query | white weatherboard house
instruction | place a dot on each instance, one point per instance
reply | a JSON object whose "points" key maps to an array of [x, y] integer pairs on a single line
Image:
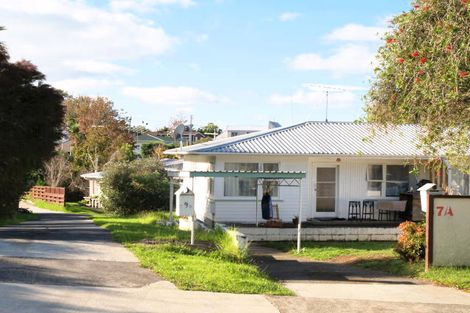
{"points": [[343, 161]]}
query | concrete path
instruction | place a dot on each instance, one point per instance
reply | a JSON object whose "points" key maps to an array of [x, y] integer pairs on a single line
{"points": [[65, 263], [352, 289], [158, 297]]}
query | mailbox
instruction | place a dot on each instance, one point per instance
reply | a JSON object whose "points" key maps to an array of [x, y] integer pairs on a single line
{"points": [[424, 194], [184, 202]]}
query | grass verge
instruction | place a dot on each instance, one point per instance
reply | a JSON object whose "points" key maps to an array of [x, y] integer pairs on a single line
{"points": [[212, 265], [19, 218], [330, 250], [378, 256]]}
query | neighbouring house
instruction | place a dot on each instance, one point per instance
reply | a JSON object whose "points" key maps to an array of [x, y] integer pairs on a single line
{"points": [[142, 139], [343, 162], [195, 135], [234, 130], [94, 188]]}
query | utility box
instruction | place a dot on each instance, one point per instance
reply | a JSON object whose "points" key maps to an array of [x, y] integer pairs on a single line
{"points": [[184, 202]]}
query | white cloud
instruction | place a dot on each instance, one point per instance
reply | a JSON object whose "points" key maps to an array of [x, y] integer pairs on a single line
{"points": [[334, 88], [95, 67], [57, 32], [288, 16], [356, 32], [78, 86], [316, 99], [146, 5], [348, 59], [180, 96]]}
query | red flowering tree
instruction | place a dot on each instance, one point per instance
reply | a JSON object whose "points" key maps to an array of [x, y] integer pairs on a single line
{"points": [[423, 77]]}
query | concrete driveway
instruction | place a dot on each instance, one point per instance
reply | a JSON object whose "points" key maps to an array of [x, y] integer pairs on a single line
{"points": [[332, 287], [67, 249], [65, 263]]}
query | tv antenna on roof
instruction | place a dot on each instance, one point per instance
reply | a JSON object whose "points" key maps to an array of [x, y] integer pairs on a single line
{"points": [[327, 89], [178, 133]]}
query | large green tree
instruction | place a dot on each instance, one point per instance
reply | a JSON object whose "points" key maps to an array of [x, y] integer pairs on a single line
{"points": [[210, 129], [424, 77], [98, 133], [31, 116]]}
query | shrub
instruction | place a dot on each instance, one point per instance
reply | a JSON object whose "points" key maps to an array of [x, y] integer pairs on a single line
{"points": [[132, 187], [228, 246], [411, 244]]}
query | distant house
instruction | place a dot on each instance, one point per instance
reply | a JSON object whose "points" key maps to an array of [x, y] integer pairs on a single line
{"points": [[141, 139], [195, 135], [234, 130], [94, 188], [343, 162]]}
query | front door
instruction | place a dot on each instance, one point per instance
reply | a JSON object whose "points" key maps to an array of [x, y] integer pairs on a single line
{"points": [[325, 190]]}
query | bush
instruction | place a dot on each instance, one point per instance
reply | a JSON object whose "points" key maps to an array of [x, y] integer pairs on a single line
{"points": [[132, 187], [228, 246], [411, 244]]}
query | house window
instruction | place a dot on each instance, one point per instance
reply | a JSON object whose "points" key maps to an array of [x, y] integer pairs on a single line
{"points": [[374, 180], [239, 186], [387, 180], [271, 186], [398, 180]]}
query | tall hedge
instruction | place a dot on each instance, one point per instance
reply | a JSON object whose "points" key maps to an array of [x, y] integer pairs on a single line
{"points": [[31, 116], [132, 187]]}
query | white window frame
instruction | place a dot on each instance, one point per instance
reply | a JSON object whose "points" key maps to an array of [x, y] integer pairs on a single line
{"points": [[260, 188], [384, 180], [261, 165]]}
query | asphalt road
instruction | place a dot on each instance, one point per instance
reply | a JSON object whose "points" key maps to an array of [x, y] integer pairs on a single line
{"points": [[70, 250]]}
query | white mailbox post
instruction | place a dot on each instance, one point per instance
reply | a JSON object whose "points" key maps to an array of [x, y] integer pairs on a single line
{"points": [[424, 195], [185, 206], [184, 202]]}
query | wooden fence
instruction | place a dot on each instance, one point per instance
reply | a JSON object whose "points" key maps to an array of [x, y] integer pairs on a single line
{"points": [[49, 194]]}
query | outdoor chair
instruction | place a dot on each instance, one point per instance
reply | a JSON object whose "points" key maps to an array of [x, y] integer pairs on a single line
{"points": [[385, 215], [368, 207], [354, 210]]}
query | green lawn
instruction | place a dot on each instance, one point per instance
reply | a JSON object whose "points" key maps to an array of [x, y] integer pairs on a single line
{"points": [[19, 218], [217, 266], [378, 256], [329, 250]]}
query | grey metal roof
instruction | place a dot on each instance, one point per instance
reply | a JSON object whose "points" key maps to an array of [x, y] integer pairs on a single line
{"points": [[318, 138]]}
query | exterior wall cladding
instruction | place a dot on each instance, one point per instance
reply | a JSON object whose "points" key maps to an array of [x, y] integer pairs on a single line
{"points": [[351, 185]]}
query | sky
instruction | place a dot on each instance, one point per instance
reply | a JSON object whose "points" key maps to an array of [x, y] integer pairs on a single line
{"points": [[232, 62]]}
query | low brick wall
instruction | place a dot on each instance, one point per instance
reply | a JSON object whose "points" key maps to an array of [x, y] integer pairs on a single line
{"points": [[321, 234], [49, 194]]}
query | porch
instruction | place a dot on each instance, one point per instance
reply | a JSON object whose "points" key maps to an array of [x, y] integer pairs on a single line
{"points": [[321, 230]]}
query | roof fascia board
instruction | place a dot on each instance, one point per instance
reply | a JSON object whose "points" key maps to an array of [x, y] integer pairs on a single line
{"points": [[358, 156], [259, 175]]}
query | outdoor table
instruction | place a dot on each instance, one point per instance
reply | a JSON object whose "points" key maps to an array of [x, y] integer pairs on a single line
{"points": [[387, 207]]}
